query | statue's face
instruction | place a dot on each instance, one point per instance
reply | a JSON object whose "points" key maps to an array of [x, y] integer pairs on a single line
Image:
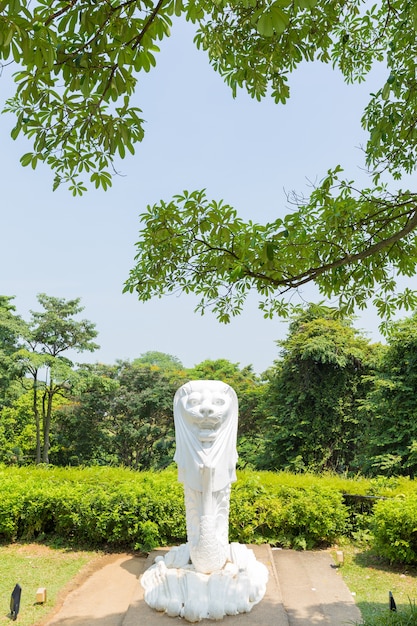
{"points": [[205, 410]]}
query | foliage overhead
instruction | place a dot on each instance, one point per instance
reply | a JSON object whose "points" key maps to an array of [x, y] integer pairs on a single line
{"points": [[78, 64], [350, 246]]}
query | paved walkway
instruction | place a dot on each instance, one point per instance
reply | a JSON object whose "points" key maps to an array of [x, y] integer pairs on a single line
{"points": [[304, 589]]}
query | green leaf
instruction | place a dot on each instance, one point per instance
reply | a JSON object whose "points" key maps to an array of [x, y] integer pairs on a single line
{"points": [[270, 251], [386, 91], [237, 273], [306, 4], [280, 20], [265, 26], [9, 36], [85, 86], [15, 131], [26, 159]]}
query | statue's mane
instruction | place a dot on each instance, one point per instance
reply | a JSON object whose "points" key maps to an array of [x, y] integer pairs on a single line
{"points": [[190, 455]]}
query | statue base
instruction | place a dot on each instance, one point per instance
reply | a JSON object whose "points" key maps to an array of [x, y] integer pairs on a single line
{"points": [[173, 586]]}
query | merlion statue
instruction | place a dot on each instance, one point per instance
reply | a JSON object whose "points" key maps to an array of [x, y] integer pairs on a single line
{"points": [[207, 577], [205, 414]]}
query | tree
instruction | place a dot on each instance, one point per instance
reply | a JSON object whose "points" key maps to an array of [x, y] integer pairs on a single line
{"points": [[79, 64], [243, 380], [84, 433], [159, 359], [120, 414], [32, 364], [52, 332], [390, 445], [314, 392], [142, 416], [17, 431], [11, 328]]}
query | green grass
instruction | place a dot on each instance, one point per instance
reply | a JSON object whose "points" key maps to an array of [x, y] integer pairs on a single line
{"points": [[34, 566], [406, 617], [371, 579]]}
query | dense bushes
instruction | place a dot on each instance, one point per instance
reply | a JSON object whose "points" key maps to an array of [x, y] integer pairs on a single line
{"points": [[395, 529], [122, 508], [97, 506], [281, 514]]}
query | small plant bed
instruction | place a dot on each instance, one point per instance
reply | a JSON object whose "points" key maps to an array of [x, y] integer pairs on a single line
{"points": [[34, 565], [371, 578]]}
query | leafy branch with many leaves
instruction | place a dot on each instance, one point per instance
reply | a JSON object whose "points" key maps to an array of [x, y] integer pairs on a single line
{"points": [[345, 243], [78, 66]]}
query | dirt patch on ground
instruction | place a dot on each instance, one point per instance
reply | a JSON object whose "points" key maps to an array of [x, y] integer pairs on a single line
{"points": [[31, 549], [40, 550]]}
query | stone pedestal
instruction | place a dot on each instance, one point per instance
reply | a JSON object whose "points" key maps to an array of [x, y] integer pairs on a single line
{"points": [[173, 586]]}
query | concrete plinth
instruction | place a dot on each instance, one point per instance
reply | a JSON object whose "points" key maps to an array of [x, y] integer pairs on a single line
{"points": [[269, 611]]}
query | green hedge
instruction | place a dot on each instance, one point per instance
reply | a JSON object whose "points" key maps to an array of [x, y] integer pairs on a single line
{"points": [[395, 529], [97, 506], [285, 515], [121, 508]]}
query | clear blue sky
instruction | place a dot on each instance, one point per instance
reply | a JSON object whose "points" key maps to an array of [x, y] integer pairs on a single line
{"points": [[197, 136]]}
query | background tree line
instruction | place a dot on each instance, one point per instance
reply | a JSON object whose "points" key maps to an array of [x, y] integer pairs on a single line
{"points": [[331, 401]]}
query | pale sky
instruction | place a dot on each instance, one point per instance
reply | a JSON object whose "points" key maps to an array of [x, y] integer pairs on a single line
{"points": [[197, 136]]}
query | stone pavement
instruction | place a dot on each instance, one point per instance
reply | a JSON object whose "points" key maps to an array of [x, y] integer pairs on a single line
{"points": [[304, 589]]}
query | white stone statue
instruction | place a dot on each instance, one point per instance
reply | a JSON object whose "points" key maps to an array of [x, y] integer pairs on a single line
{"points": [[207, 577], [205, 414]]}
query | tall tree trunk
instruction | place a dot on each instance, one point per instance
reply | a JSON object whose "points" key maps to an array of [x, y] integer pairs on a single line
{"points": [[37, 420], [47, 413]]}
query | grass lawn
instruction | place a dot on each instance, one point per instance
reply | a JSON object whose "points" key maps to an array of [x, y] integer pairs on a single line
{"points": [[371, 579], [33, 566]]}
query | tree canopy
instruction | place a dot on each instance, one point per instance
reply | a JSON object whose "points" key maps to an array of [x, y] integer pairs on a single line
{"points": [[49, 334], [11, 326], [314, 392], [390, 442], [78, 65]]}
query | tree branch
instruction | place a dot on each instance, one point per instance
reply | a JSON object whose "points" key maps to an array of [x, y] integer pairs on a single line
{"points": [[348, 259], [137, 40], [64, 9]]}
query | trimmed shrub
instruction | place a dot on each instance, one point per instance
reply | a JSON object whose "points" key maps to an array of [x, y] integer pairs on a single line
{"points": [[285, 516], [394, 527], [94, 506], [141, 510], [121, 508]]}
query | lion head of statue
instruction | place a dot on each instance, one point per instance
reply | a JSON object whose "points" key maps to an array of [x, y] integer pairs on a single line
{"points": [[205, 414]]}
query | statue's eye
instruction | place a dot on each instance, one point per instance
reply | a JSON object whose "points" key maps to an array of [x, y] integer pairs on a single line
{"points": [[218, 401], [193, 401]]}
